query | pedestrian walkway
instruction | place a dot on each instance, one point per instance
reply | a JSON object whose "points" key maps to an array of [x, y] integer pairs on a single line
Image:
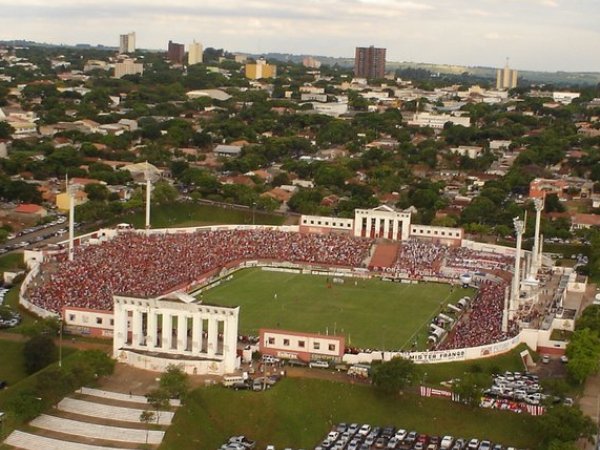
{"points": [[96, 431], [28, 441], [119, 396], [102, 411]]}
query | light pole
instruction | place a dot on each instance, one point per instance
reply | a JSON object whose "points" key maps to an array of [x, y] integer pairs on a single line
{"points": [[60, 340], [253, 212]]}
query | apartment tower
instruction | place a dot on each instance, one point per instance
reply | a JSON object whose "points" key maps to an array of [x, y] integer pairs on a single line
{"points": [[369, 62], [127, 43]]}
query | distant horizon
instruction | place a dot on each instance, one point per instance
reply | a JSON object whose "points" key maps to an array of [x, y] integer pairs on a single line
{"points": [[143, 49], [539, 35]]}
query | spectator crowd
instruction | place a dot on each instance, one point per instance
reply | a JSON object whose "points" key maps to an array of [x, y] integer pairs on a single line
{"points": [[150, 265]]}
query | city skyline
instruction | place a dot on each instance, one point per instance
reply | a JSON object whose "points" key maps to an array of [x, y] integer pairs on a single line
{"points": [[461, 32]]}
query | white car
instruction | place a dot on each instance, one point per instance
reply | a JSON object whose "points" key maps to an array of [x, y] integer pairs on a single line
{"points": [[364, 430], [401, 434], [473, 444], [318, 364], [447, 442]]}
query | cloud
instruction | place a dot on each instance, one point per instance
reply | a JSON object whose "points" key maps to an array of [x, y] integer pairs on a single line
{"points": [[457, 31]]}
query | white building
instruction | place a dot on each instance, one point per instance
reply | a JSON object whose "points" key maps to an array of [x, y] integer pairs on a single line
{"points": [[152, 333], [127, 43], [471, 151], [331, 109], [128, 67], [565, 97], [195, 53], [437, 121], [383, 222]]}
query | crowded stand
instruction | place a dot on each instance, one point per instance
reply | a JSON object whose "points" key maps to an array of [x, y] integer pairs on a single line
{"points": [[467, 259], [417, 259], [149, 265], [482, 323]]}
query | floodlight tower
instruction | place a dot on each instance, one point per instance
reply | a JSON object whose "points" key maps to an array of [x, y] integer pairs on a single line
{"points": [[516, 284], [148, 195], [71, 191], [535, 253]]}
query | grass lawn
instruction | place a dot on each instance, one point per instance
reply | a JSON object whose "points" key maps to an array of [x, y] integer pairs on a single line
{"points": [[12, 363], [192, 214], [510, 361], [10, 262], [298, 413], [373, 314]]}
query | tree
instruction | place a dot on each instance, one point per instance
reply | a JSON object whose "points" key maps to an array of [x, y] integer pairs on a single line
{"points": [[469, 389], [552, 204], [159, 399], [174, 382], [96, 192], [565, 424], [6, 130], [38, 352], [163, 193], [146, 417], [584, 354], [394, 375]]}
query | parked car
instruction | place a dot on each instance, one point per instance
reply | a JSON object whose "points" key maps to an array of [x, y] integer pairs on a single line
{"points": [[318, 364], [473, 444]]}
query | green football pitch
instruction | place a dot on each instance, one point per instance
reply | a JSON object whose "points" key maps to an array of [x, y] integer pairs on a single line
{"points": [[369, 313]]}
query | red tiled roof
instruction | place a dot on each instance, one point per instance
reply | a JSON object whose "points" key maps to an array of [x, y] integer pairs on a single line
{"points": [[28, 208]]}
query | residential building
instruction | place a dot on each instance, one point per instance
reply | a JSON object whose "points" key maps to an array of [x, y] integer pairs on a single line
{"points": [[127, 43], [260, 69], [506, 78], [470, 151], [311, 62], [175, 52], [228, 151], [128, 67], [369, 62], [194, 53], [581, 221]]}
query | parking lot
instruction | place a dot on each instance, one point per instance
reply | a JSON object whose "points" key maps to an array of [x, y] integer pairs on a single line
{"points": [[366, 437]]}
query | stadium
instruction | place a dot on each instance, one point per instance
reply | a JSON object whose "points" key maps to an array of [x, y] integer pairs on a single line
{"points": [[367, 288]]}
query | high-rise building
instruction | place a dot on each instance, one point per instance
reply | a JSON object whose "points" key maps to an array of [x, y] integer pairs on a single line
{"points": [[369, 62], [506, 78], [175, 52], [194, 53], [127, 43], [128, 67], [260, 69], [311, 63]]}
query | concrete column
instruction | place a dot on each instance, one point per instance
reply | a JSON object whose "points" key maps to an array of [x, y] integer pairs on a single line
{"points": [[197, 333], [166, 331], [136, 328], [368, 234], [386, 228], [535, 261], [120, 328], [213, 336], [181, 332], [151, 330], [516, 284], [230, 342]]}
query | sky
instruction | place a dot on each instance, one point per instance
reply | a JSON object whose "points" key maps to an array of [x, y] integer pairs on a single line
{"points": [[546, 35]]}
